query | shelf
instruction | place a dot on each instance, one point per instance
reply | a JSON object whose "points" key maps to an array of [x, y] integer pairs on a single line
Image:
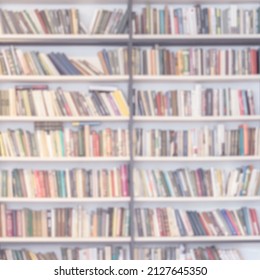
{"points": [[64, 240], [196, 119], [137, 79], [190, 2], [198, 239], [63, 39], [198, 159], [197, 199], [196, 40], [63, 119], [64, 159], [126, 119], [64, 2], [123, 39], [65, 200], [137, 159], [197, 79], [64, 79]]}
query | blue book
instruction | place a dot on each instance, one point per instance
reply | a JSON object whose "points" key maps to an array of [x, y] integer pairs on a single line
{"points": [[161, 15], [180, 223], [61, 69], [244, 100], [179, 183], [37, 63], [180, 20], [198, 224], [168, 183], [228, 222], [193, 223], [241, 141], [72, 68], [61, 61], [106, 58], [63, 184], [246, 216]]}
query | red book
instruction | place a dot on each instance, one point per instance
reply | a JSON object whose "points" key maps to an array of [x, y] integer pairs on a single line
{"points": [[158, 103], [210, 255], [159, 219], [246, 142], [38, 185], [41, 21], [253, 61], [241, 104], [9, 223], [255, 225], [204, 225], [233, 222]]}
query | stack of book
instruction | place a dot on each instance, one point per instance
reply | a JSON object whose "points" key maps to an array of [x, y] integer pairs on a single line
{"points": [[219, 141], [80, 183], [183, 182], [41, 101], [197, 102], [179, 253], [64, 142], [193, 20], [23, 254], [64, 222], [61, 21], [109, 22], [175, 222], [105, 253]]}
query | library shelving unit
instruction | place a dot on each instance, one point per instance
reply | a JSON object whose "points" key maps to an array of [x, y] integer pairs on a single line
{"points": [[130, 40]]}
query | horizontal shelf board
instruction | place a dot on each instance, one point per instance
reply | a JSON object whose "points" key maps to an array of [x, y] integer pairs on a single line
{"points": [[200, 39], [197, 159], [125, 78], [198, 239], [63, 119], [198, 199], [137, 159], [191, 79], [63, 2], [63, 240], [65, 79], [196, 119], [64, 159], [191, 2], [63, 39], [65, 200], [126, 119]]}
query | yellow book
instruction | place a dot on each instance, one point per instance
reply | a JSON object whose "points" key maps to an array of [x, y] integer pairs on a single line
{"points": [[120, 100], [2, 147], [25, 97]]}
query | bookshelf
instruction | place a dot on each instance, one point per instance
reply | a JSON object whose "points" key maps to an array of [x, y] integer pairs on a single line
{"points": [[131, 40]]}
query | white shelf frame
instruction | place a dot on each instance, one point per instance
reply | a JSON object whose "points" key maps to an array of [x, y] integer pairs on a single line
{"points": [[64, 240], [202, 239], [64, 159], [64, 200], [139, 119]]}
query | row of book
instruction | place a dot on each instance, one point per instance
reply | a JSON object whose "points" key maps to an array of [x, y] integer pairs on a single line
{"points": [[120, 253], [180, 253], [197, 102], [64, 183], [184, 182], [154, 61], [83, 141], [80, 183], [109, 22], [41, 101], [192, 20], [14, 61], [64, 222], [176, 222], [190, 61], [218, 141], [47, 21], [184, 20]]}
